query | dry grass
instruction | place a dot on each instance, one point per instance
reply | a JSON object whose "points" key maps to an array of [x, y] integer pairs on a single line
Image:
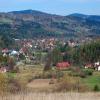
{"points": [[53, 96], [27, 72], [40, 85]]}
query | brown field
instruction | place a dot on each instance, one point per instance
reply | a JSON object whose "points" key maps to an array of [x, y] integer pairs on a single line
{"points": [[39, 85], [53, 96]]}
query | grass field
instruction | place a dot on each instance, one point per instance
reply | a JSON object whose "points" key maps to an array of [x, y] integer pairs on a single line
{"points": [[92, 80], [28, 72], [37, 86]]}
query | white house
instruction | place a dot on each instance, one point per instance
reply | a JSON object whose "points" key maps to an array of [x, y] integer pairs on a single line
{"points": [[14, 53], [97, 66]]}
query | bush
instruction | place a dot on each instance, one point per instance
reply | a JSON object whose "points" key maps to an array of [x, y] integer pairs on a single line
{"points": [[96, 88], [3, 83], [76, 74], [82, 75], [15, 70], [69, 83], [45, 75], [74, 71], [10, 85], [59, 74], [14, 86], [88, 72], [81, 72]]}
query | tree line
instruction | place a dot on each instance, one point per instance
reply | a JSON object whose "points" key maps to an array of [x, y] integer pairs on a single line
{"points": [[79, 55]]}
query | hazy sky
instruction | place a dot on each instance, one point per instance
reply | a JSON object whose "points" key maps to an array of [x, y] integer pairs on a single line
{"points": [[61, 7]]}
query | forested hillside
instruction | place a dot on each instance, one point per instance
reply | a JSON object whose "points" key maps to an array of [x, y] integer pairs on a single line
{"points": [[30, 23]]}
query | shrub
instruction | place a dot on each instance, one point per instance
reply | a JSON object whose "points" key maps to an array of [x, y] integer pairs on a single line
{"points": [[69, 83], [82, 75], [22, 57], [80, 72], [76, 74], [88, 71], [3, 83], [96, 88], [45, 75], [59, 74], [15, 70], [14, 86]]}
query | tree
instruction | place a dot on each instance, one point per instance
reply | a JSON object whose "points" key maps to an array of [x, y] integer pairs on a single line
{"points": [[56, 56], [11, 63], [87, 53], [48, 62]]}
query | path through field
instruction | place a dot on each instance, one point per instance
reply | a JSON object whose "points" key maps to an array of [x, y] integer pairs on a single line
{"points": [[41, 85]]}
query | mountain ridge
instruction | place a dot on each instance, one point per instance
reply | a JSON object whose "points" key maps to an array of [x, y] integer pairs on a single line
{"points": [[32, 23]]}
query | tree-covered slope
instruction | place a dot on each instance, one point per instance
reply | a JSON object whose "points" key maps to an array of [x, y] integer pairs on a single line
{"points": [[30, 23]]}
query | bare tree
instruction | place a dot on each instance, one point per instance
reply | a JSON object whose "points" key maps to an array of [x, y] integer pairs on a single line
{"points": [[48, 62]]}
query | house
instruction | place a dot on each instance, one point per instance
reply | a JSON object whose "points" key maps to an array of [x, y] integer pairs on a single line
{"points": [[14, 53], [5, 50], [88, 66], [63, 65], [72, 43], [97, 66], [4, 55], [23, 50], [3, 70]]}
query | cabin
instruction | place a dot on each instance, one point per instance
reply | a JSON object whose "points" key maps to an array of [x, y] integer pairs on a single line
{"points": [[63, 65]]}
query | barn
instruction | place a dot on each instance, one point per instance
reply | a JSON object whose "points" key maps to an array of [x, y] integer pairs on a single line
{"points": [[63, 65]]}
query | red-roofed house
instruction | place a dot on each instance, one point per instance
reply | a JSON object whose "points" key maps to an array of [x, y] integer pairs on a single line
{"points": [[5, 50], [63, 65]]}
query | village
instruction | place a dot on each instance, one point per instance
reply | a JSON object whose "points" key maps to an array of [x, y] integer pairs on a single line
{"points": [[49, 49], [51, 62], [34, 51]]}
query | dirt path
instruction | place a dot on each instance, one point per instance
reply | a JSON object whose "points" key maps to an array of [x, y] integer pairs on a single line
{"points": [[41, 84]]}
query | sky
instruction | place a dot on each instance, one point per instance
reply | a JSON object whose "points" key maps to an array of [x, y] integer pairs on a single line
{"points": [[59, 7]]}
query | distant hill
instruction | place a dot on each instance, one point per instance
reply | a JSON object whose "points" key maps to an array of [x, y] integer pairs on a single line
{"points": [[78, 15], [31, 23]]}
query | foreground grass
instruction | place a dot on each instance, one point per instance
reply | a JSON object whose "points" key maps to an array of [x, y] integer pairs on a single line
{"points": [[92, 80], [53, 96]]}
